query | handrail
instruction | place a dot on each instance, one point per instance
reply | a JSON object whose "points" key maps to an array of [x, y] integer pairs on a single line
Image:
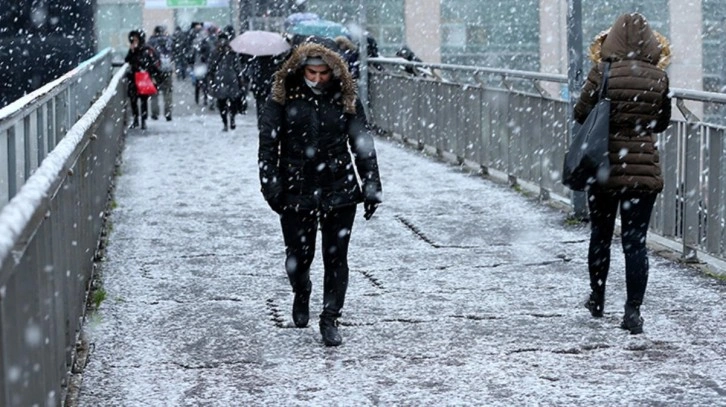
{"points": [[678, 93]]}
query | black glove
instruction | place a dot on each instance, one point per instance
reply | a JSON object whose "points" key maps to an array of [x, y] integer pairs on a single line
{"points": [[370, 209]]}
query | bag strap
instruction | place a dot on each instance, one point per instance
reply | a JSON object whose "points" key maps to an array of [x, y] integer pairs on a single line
{"points": [[604, 84]]}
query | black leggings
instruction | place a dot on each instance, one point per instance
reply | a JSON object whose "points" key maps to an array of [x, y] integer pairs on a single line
{"points": [[134, 102], [299, 229], [635, 210]]}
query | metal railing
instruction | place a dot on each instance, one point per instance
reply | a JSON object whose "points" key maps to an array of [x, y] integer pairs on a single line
{"points": [[515, 125], [33, 125], [51, 227]]}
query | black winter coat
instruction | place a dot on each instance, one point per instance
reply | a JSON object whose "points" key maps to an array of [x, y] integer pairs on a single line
{"points": [[143, 58], [306, 141], [226, 74]]}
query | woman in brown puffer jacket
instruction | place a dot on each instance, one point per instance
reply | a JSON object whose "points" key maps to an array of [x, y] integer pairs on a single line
{"points": [[640, 107]]}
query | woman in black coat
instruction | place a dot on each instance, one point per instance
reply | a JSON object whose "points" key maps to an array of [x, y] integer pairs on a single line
{"points": [[310, 125], [140, 57], [226, 81]]}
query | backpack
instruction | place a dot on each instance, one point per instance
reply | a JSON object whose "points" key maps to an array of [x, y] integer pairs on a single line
{"points": [[162, 46], [166, 63]]}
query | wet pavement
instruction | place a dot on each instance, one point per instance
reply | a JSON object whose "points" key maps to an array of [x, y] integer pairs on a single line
{"points": [[462, 292]]}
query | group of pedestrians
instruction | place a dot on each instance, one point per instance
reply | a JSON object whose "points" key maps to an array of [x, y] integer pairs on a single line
{"points": [[155, 57], [204, 55], [317, 159]]}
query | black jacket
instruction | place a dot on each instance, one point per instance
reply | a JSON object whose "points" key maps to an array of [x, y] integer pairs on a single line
{"points": [[143, 58], [306, 140]]}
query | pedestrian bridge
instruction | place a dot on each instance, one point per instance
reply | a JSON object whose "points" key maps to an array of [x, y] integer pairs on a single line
{"points": [[143, 268]]}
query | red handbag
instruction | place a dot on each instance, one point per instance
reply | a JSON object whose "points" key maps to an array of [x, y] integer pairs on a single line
{"points": [[144, 85]]}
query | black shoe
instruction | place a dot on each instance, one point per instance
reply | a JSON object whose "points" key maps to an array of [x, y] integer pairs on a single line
{"points": [[168, 117], [154, 117], [329, 331], [143, 125], [232, 125], [135, 124], [632, 321], [596, 304], [301, 307]]}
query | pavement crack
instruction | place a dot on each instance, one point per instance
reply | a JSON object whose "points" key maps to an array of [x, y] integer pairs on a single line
{"points": [[406, 320], [369, 275], [475, 317], [416, 231], [212, 365]]}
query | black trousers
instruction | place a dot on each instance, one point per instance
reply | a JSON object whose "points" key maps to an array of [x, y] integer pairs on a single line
{"points": [[635, 210], [299, 230], [231, 107], [144, 101]]}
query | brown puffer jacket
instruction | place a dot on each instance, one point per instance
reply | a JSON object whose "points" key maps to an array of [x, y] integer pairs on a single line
{"points": [[640, 105]]}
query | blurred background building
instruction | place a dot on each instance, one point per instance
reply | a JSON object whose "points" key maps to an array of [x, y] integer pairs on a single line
{"points": [[41, 40], [526, 35]]}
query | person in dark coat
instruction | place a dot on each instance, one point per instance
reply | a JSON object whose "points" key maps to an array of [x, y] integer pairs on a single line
{"points": [[311, 124], [638, 88], [140, 57], [226, 81], [179, 41], [350, 54], [164, 46], [259, 71]]}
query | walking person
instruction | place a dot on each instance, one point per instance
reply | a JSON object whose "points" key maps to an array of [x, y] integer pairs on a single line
{"points": [[140, 57], [226, 81], [179, 41], [164, 47], [259, 71], [310, 126], [638, 88]]}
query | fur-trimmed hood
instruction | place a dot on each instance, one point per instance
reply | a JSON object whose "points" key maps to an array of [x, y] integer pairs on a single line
{"points": [[293, 67], [631, 37]]}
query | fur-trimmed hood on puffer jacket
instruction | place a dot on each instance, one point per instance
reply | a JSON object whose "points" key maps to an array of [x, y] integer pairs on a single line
{"points": [[629, 33], [638, 89], [294, 67]]}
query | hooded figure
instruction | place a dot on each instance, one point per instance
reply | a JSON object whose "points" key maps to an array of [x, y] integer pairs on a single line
{"points": [[638, 88], [317, 161]]}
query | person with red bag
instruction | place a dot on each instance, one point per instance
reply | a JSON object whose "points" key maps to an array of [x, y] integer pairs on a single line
{"points": [[144, 66]]}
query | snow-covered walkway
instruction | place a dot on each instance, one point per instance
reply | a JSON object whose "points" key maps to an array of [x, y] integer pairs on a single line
{"points": [[462, 292]]}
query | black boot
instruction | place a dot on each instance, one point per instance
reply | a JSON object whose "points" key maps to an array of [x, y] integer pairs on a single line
{"points": [[301, 306], [596, 304], [232, 124], [329, 331], [632, 320], [135, 123]]}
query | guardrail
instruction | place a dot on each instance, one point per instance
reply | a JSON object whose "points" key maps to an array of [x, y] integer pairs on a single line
{"points": [[515, 125], [33, 125], [51, 227]]}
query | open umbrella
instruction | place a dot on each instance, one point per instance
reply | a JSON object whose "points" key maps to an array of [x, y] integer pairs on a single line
{"points": [[322, 28], [295, 18], [259, 43]]}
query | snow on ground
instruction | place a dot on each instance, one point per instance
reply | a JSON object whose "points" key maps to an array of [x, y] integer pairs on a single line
{"points": [[462, 292]]}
